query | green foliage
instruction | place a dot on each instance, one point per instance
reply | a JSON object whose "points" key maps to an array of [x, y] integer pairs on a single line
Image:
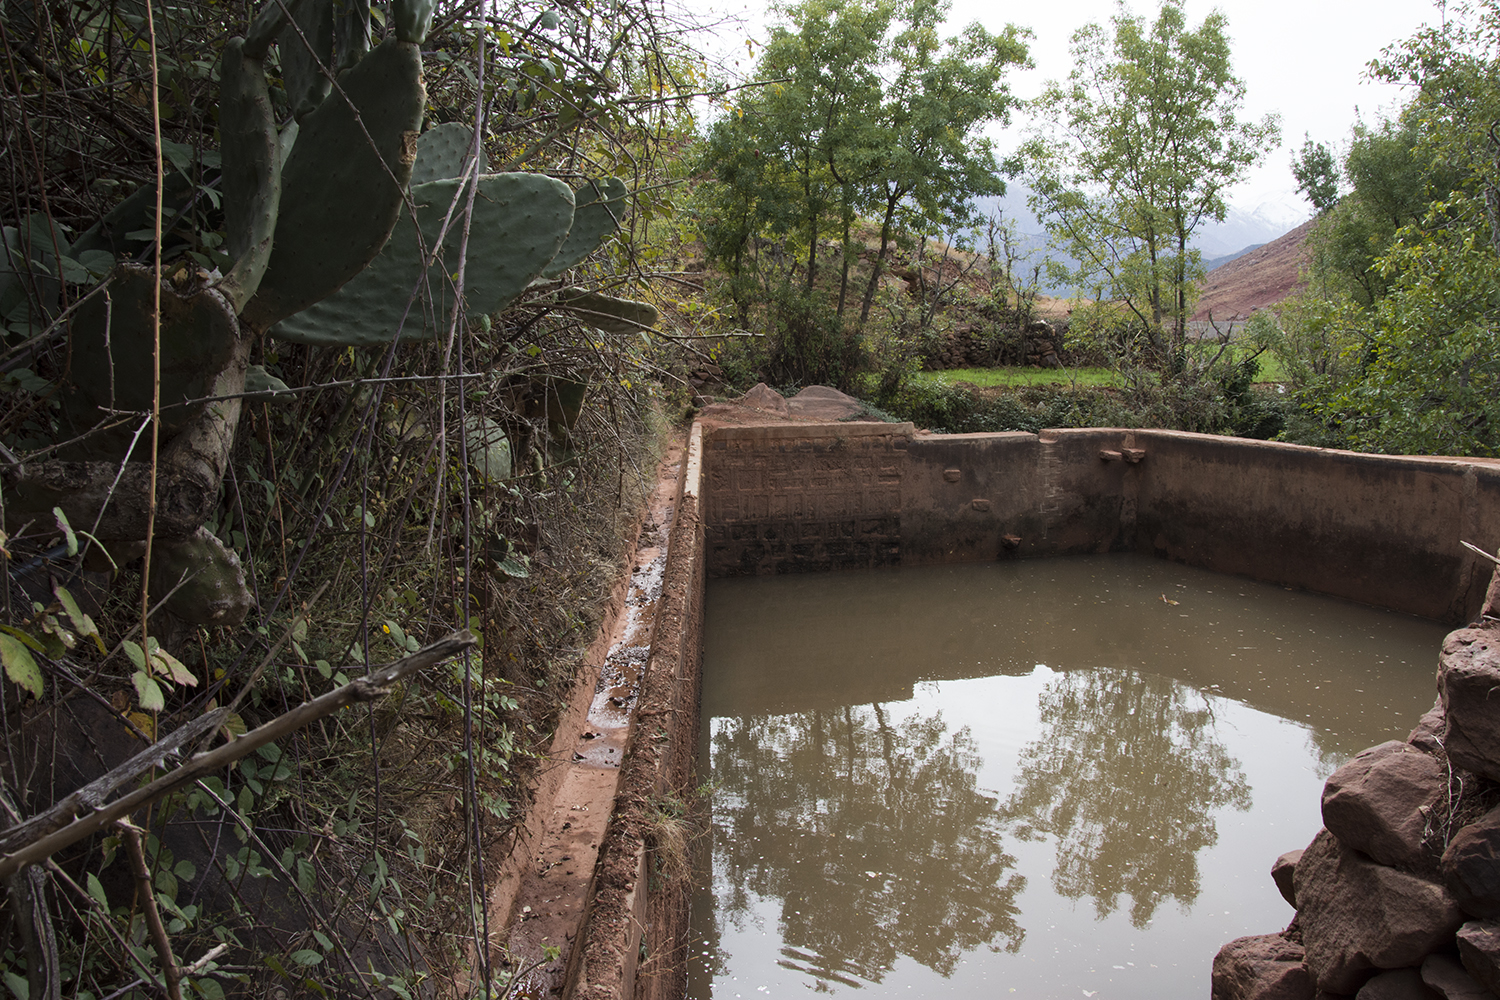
{"points": [[823, 140], [1399, 355], [993, 377], [1135, 153], [1392, 185], [1316, 175]]}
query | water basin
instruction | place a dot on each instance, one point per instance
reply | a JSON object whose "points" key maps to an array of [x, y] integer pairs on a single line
{"points": [[1050, 778]]}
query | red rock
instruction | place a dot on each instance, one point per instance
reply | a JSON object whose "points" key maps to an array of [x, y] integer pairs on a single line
{"points": [[1379, 802], [1468, 675], [1479, 948], [1471, 866], [1262, 967], [1358, 917], [1400, 984], [1445, 977], [763, 397], [1283, 872], [1428, 735]]}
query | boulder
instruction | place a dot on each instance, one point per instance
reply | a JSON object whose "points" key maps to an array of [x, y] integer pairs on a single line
{"points": [[1469, 683], [1262, 967], [763, 397], [1445, 977], [1380, 801], [1479, 949], [1358, 917], [1471, 866], [823, 403], [1283, 873], [1399, 984], [1428, 735]]}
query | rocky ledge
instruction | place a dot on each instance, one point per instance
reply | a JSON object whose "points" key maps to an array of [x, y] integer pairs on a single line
{"points": [[1398, 896]]}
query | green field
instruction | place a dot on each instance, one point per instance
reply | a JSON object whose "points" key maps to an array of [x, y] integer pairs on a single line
{"points": [[1270, 371], [989, 377]]}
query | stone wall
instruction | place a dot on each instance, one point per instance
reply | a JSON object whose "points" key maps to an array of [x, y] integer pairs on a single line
{"points": [[779, 499], [1037, 343], [1397, 896], [1384, 530]]}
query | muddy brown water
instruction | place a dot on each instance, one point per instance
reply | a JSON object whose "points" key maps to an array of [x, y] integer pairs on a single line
{"points": [[1063, 778]]}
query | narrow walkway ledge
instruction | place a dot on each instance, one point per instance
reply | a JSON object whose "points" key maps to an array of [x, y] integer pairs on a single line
{"points": [[779, 498], [631, 940]]}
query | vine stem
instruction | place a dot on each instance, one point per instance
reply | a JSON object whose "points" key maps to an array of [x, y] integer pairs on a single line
{"points": [[155, 341], [171, 974]]}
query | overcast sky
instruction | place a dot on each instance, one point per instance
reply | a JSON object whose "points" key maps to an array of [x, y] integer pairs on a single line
{"points": [[1302, 59]]}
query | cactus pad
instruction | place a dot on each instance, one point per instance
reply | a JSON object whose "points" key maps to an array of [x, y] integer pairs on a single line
{"points": [[413, 19], [600, 205], [302, 61], [251, 179], [352, 32], [198, 335], [519, 222], [489, 448], [212, 590], [339, 196], [440, 153], [607, 313]]}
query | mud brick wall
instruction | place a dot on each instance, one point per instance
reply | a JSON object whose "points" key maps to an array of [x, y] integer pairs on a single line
{"points": [[783, 500], [1380, 529]]}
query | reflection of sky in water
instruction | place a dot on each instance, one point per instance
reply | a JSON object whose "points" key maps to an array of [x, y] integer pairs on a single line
{"points": [[995, 833]]}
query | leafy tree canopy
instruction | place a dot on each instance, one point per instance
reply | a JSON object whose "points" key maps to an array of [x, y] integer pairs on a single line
{"points": [[1417, 344], [858, 108], [1133, 153]]}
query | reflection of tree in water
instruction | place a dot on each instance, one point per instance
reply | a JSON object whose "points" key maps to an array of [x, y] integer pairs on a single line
{"points": [[872, 835], [1125, 777]]}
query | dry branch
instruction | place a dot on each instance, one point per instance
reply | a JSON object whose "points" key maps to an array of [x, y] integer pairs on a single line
{"points": [[367, 688]]}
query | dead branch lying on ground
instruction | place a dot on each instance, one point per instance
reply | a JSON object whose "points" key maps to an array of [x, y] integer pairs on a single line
{"points": [[52, 830]]}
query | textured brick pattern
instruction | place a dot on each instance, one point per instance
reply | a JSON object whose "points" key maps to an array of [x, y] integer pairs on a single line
{"points": [[796, 504]]}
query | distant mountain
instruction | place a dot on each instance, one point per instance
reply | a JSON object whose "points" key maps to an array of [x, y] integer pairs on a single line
{"points": [[1214, 262], [1259, 277], [1243, 227], [1242, 231]]}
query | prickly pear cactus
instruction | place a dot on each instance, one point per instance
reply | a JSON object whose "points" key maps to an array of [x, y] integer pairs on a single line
{"points": [[600, 205], [209, 579], [306, 45], [441, 152], [112, 346], [343, 182], [251, 179], [520, 221], [607, 313]]}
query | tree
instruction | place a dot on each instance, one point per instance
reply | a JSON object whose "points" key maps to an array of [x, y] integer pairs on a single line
{"points": [[1392, 185], [1317, 176], [1134, 153], [930, 159], [857, 107]]}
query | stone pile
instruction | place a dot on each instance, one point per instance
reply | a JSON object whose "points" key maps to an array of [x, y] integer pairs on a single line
{"points": [[1398, 897], [1039, 344]]}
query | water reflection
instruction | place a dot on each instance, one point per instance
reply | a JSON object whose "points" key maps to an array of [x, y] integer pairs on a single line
{"points": [[906, 804], [1125, 776], [873, 836]]}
